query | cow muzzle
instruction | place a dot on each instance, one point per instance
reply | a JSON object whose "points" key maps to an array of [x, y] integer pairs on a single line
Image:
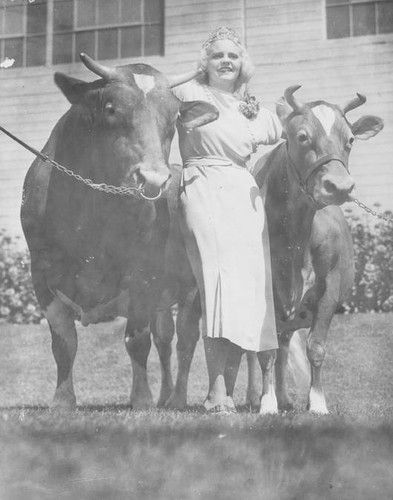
{"points": [[333, 185]]}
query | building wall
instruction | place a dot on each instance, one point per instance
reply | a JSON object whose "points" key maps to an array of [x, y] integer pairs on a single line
{"points": [[287, 42]]}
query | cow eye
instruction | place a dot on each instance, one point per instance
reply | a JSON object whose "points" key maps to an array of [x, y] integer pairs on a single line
{"points": [[109, 109], [350, 142], [302, 137]]}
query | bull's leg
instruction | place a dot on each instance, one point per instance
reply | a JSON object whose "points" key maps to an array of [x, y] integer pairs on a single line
{"points": [[268, 401], [64, 346], [253, 395], [187, 327], [284, 401], [138, 343], [163, 331]]}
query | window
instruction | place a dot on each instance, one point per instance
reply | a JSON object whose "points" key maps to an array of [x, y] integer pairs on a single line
{"points": [[23, 31], [347, 18], [39, 32]]}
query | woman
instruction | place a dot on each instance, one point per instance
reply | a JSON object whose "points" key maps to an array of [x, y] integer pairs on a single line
{"points": [[224, 222]]}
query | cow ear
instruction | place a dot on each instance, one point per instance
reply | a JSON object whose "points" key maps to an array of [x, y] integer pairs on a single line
{"points": [[283, 110], [366, 127], [72, 88], [194, 114]]}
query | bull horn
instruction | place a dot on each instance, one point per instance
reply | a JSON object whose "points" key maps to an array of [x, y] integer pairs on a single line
{"points": [[354, 103], [291, 100], [176, 80], [99, 69]]}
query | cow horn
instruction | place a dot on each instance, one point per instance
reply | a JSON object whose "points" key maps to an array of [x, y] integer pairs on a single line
{"points": [[291, 100], [354, 103], [99, 69], [176, 80]]}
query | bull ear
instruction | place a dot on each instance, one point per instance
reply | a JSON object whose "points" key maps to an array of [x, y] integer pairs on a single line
{"points": [[366, 127], [283, 110], [71, 87], [194, 114]]}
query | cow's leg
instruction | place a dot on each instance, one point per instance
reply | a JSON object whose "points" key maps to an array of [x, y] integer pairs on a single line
{"points": [[64, 346], [163, 331], [187, 327], [231, 370], [268, 401], [284, 401], [138, 343], [253, 395], [316, 353]]}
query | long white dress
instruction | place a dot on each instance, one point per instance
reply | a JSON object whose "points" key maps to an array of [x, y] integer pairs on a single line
{"points": [[223, 220]]}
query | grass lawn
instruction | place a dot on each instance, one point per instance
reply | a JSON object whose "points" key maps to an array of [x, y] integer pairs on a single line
{"points": [[105, 451]]}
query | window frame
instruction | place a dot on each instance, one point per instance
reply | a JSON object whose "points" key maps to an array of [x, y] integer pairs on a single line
{"points": [[350, 4], [50, 33]]}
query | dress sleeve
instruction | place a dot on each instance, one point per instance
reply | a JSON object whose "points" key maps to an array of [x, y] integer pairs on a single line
{"points": [[266, 127], [185, 92]]}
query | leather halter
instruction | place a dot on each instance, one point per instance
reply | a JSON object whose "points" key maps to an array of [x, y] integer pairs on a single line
{"points": [[303, 175]]}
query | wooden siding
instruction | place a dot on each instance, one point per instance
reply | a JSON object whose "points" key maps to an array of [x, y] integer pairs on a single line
{"points": [[287, 42]]}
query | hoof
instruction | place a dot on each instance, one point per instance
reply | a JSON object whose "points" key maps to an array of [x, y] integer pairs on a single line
{"points": [[64, 403], [176, 403], [253, 401], [268, 405], [317, 403], [285, 407]]}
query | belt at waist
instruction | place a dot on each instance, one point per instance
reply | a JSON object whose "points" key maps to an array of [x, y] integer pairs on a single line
{"points": [[211, 161]]}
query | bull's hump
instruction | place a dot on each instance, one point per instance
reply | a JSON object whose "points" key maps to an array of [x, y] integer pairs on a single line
{"points": [[145, 82], [326, 117]]}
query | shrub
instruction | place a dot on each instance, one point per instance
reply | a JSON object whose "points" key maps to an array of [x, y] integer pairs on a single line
{"points": [[373, 249], [18, 303]]}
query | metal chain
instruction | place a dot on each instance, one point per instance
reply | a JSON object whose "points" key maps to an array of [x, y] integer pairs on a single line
{"points": [[105, 188], [372, 212]]}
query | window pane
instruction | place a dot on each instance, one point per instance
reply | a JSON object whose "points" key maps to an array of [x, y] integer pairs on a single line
{"points": [[36, 17], [13, 20], [131, 42], [84, 42], [364, 19], [86, 13], [337, 22], [331, 2], [153, 40], [63, 15], [108, 12], [152, 11], [107, 44], [130, 11], [385, 17], [62, 49], [35, 51], [13, 49]]}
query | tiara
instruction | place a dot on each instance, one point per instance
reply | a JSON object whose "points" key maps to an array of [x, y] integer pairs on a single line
{"points": [[221, 33]]}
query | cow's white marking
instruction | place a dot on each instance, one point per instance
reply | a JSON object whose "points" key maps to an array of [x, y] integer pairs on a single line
{"points": [[145, 82], [317, 403], [326, 116]]}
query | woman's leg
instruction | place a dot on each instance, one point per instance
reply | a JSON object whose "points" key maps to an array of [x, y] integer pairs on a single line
{"points": [[216, 353]]}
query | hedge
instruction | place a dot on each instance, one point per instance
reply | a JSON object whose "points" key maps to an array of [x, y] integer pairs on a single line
{"points": [[372, 291]]}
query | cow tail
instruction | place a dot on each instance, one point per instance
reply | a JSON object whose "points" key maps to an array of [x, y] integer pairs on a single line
{"points": [[298, 364]]}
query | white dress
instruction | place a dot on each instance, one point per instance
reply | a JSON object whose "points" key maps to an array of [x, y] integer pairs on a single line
{"points": [[223, 220]]}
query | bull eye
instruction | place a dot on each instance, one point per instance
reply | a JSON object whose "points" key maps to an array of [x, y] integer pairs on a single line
{"points": [[302, 137], [109, 109]]}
